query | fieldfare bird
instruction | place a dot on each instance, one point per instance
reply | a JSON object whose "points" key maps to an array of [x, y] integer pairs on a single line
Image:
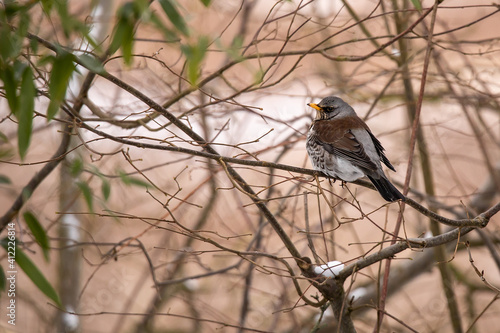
{"points": [[342, 146]]}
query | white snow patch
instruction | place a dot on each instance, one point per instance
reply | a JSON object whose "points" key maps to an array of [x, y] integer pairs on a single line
{"points": [[428, 234], [357, 293], [70, 320], [331, 269], [192, 284], [72, 225]]}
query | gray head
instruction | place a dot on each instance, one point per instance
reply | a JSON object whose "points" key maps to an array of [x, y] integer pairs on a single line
{"points": [[332, 106]]}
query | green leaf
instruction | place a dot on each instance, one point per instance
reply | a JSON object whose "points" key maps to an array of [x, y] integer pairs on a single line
{"points": [[123, 33], [23, 24], [206, 3], [38, 232], [10, 45], [170, 35], [12, 8], [26, 193], [91, 63], [3, 138], [34, 46], [174, 16], [417, 4], [76, 167], [123, 36], [62, 69], [10, 87], [26, 108], [5, 153], [234, 50], [138, 182], [86, 32], [87, 194], [47, 6], [128, 180], [259, 76], [11, 41], [118, 35], [125, 16], [34, 274], [5, 180], [3, 280], [194, 56], [68, 23], [46, 59], [128, 44], [105, 188]]}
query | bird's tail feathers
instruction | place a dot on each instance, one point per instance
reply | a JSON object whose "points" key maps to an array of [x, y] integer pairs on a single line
{"points": [[388, 191]]}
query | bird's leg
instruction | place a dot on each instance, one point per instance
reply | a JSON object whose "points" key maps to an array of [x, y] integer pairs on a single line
{"points": [[332, 181], [343, 183]]}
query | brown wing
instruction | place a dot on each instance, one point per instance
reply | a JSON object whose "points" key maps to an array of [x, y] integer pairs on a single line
{"points": [[337, 138]]}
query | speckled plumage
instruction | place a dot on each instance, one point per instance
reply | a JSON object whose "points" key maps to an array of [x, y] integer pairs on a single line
{"points": [[342, 146]]}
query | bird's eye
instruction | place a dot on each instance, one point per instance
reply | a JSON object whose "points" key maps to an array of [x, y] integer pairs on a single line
{"points": [[328, 108]]}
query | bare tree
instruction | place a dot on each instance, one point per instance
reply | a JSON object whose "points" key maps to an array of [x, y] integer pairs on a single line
{"points": [[185, 163]]}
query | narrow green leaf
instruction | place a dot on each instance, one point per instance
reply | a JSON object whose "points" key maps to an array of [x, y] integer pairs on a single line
{"points": [[123, 34], [46, 59], [128, 44], [10, 87], [170, 35], [3, 280], [194, 56], [10, 45], [259, 76], [174, 16], [76, 167], [97, 47], [23, 261], [34, 46], [5, 180], [62, 69], [206, 3], [26, 193], [23, 24], [26, 108], [142, 8], [138, 182], [38, 232], [47, 6], [128, 180], [3, 138], [124, 177], [417, 4], [87, 194], [53, 108], [67, 22], [123, 38], [234, 50], [91, 63], [118, 35], [12, 8], [5, 153], [105, 188]]}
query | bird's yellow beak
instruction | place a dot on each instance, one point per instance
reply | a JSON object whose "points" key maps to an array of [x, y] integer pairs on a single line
{"points": [[314, 106], [318, 109]]}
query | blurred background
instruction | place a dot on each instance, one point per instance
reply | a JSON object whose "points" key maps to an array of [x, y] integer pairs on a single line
{"points": [[137, 231]]}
